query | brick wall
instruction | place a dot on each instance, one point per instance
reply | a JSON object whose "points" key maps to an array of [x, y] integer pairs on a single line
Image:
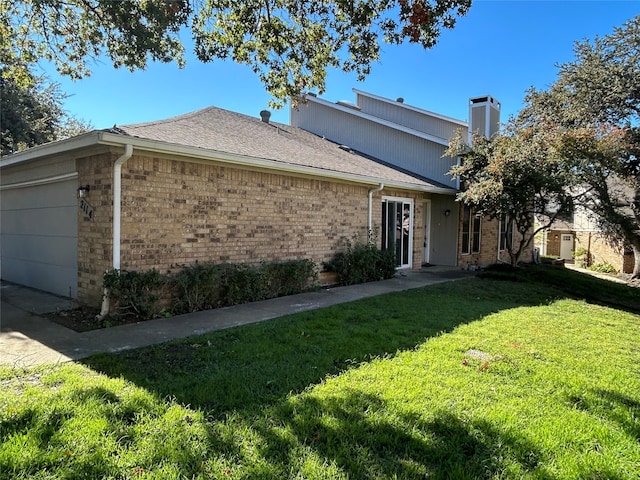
{"points": [[603, 251], [176, 212], [488, 255], [95, 237]]}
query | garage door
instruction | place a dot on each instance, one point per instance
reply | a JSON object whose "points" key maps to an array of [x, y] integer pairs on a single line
{"points": [[39, 235]]}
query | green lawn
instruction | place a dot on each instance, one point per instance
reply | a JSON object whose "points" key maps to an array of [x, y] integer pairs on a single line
{"points": [[495, 377]]}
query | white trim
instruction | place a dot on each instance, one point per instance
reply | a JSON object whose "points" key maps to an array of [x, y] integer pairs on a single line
{"points": [[422, 111], [426, 245], [411, 202], [40, 181], [472, 216], [52, 148], [107, 138], [380, 121], [117, 140]]}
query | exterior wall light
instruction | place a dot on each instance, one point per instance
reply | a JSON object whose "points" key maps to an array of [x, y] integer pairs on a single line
{"points": [[83, 191]]}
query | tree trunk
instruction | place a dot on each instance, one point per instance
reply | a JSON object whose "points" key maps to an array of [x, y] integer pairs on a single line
{"points": [[636, 259]]}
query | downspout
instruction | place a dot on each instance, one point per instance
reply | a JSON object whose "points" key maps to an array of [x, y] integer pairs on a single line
{"points": [[117, 211], [371, 192]]}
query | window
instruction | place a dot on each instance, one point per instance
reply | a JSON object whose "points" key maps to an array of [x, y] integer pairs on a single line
{"points": [[397, 228], [471, 225], [506, 233]]}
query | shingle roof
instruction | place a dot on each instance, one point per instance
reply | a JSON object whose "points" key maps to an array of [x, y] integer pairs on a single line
{"points": [[225, 131]]}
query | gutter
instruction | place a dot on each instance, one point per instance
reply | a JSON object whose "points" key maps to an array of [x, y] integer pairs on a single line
{"points": [[200, 154], [117, 215]]}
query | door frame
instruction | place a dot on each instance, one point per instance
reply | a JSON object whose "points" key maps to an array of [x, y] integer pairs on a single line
{"points": [[411, 203], [426, 254]]}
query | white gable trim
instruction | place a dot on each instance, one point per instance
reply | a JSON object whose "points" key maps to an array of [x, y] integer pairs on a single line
{"points": [[461, 123], [380, 121]]}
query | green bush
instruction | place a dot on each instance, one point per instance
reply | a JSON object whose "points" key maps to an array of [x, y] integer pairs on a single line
{"points": [[197, 287], [203, 286], [547, 259], [135, 293], [288, 278], [362, 262], [603, 268], [242, 284]]}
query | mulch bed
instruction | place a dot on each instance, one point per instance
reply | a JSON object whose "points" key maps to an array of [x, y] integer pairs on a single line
{"points": [[84, 319]]}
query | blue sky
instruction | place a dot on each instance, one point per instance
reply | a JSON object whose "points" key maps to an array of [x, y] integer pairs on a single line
{"points": [[501, 48]]}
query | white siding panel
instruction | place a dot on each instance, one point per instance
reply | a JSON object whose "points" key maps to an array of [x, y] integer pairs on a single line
{"points": [[387, 144], [421, 121]]}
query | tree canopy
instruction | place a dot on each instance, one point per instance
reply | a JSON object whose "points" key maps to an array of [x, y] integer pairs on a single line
{"points": [[576, 143], [288, 44], [598, 95], [515, 177], [34, 114]]}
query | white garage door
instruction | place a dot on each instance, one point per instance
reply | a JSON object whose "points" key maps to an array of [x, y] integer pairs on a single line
{"points": [[39, 235]]}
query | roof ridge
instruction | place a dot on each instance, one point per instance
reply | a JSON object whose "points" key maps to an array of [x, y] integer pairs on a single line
{"points": [[173, 119], [183, 116]]}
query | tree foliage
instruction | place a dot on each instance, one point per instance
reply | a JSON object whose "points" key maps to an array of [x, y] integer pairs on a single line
{"points": [[577, 143], [514, 177], [34, 114], [598, 97], [288, 44]]}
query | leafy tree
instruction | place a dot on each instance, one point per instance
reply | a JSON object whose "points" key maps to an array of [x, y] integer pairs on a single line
{"points": [[289, 44], [597, 96], [33, 115], [514, 177], [577, 143]]}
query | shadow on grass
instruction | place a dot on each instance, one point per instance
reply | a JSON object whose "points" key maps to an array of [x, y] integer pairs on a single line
{"points": [[256, 365], [613, 406], [571, 283], [361, 435], [241, 379]]}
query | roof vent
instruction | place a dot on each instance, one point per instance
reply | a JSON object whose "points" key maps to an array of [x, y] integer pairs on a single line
{"points": [[265, 115], [400, 100], [346, 148]]}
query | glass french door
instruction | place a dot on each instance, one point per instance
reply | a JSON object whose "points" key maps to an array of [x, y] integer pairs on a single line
{"points": [[397, 228]]}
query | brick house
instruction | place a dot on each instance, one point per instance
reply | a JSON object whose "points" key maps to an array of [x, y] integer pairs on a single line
{"points": [[581, 232], [413, 140], [218, 186]]}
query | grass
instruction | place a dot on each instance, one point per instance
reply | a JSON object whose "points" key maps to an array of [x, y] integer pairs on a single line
{"points": [[480, 378]]}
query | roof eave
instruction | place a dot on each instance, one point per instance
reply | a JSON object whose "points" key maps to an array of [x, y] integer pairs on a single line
{"points": [[53, 148], [156, 146]]}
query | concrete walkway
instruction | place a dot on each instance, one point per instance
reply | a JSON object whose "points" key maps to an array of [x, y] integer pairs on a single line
{"points": [[27, 339]]}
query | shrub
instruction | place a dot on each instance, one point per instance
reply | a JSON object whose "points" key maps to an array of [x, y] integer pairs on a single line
{"points": [[362, 262], [288, 278], [603, 268], [547, 259], [203, 286], [135, 293], [582, 257], [242, 284], [197, 287]]}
